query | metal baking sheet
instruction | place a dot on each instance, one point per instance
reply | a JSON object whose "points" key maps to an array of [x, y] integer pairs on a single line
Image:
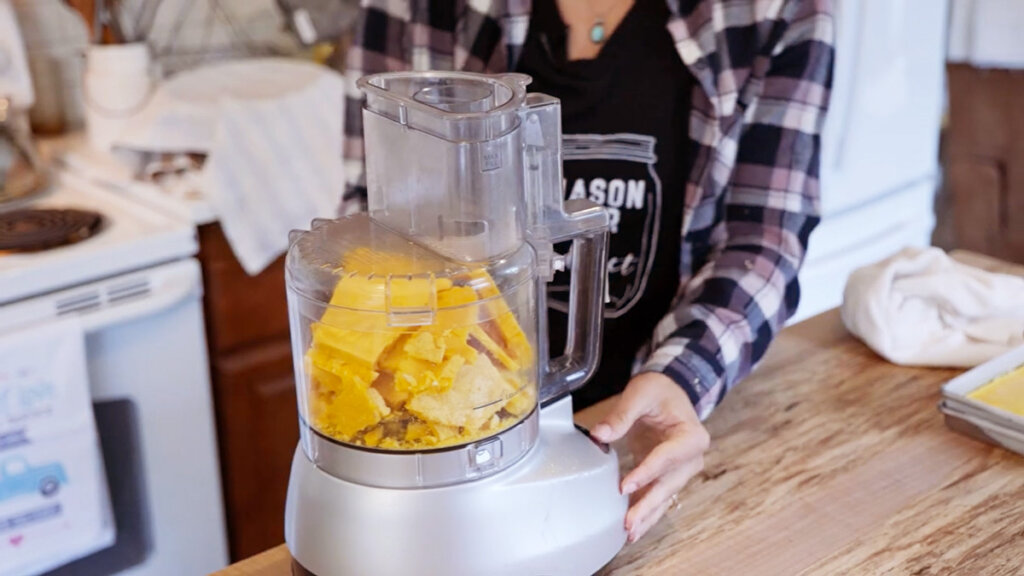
{"points": [[983, 430], [984, 412], [957, 389]]}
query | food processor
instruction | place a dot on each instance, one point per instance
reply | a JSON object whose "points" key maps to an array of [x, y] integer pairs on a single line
{"points": [[437, 432]]}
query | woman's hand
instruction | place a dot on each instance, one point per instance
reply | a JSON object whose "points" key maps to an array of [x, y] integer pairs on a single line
{"points": [[667, 439]]}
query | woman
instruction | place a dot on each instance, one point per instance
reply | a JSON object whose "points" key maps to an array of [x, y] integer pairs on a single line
{"points": [[696, 123]]}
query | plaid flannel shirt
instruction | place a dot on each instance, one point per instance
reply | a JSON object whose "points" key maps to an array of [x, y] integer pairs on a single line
{"points": [[763, 71]]}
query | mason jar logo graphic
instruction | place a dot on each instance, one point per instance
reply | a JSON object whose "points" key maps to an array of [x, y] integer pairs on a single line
{"points": [[617, 172]]}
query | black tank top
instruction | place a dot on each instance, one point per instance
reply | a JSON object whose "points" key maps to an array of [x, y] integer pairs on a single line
{"points": [[625, 116]]}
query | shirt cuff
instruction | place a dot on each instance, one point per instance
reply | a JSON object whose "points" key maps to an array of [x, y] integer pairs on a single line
{"points": [[692, 374]]}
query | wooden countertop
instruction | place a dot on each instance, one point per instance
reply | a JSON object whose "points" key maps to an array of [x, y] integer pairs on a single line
{"points": [[828, 460]]}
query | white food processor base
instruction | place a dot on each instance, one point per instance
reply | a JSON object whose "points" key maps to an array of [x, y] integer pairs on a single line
{"points": [[558, 512]]}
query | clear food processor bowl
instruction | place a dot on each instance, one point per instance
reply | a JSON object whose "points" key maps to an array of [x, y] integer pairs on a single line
{"points": [[399, 348]]}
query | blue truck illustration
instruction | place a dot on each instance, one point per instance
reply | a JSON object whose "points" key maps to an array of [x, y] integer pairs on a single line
{"points": [[17, 477]]}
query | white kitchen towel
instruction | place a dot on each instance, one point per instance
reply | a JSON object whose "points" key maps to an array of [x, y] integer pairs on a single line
{"points": [[274, 166], [54, 502], [271, 130], [922, 308]]}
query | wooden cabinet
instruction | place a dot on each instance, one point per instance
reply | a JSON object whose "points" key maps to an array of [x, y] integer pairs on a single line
{"points": [[982, 205], [258, 426], [254, 392], [241, 310]]}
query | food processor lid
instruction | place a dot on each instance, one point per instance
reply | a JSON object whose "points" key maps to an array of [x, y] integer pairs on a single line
{"points": [[393, 275], [457, 106]]}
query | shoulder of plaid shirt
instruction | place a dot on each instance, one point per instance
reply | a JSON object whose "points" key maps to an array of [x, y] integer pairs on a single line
{"points": [[764, 73]]}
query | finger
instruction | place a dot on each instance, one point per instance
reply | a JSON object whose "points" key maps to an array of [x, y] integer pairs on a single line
{"points": [[640, 528], [685, 445], [629, 408], [647, 510], [649, 506], [638, 495]]}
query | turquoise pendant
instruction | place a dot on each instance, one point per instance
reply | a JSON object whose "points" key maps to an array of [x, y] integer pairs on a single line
{"points": [[597, 32]]}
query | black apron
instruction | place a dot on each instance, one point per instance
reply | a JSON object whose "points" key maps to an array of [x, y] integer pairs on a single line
{"points": [[625, 116]]}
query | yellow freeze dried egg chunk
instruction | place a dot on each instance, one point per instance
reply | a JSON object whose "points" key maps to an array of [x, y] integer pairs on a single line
{"points": [[361, 349], [425, 346], [458, 379], [516, 341], [344, 406], [479, 392], [414, 376], [521, 403], [493, 348], [356, 296], [455, 307], [328, 361]]}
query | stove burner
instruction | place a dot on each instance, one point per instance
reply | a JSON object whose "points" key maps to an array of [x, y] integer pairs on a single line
{"points": [[34, 230]]}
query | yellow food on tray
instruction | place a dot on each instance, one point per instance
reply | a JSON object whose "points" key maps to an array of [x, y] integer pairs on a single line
{"points": [[1005, 392], [463, 377]]}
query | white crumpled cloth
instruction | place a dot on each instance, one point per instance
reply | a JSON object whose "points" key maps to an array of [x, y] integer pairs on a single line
{"points": [[922, 308], [272, 132]]}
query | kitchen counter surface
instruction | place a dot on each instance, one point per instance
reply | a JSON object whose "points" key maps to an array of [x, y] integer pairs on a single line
{"points": [[828, 460]]}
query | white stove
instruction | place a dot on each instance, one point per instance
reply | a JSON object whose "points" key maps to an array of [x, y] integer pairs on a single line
{"points": [[132, 236], [136, 290]]}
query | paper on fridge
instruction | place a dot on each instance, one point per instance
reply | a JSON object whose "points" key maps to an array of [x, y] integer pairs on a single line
{"points": [[922, 308], [54, 502]]}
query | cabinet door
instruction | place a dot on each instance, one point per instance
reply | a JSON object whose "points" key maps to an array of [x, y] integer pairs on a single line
{"points": [[240, 309], [258, 429]]}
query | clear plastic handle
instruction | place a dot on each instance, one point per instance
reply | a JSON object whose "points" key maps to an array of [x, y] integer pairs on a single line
{"points": [[552, 221], [586, 260]]}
